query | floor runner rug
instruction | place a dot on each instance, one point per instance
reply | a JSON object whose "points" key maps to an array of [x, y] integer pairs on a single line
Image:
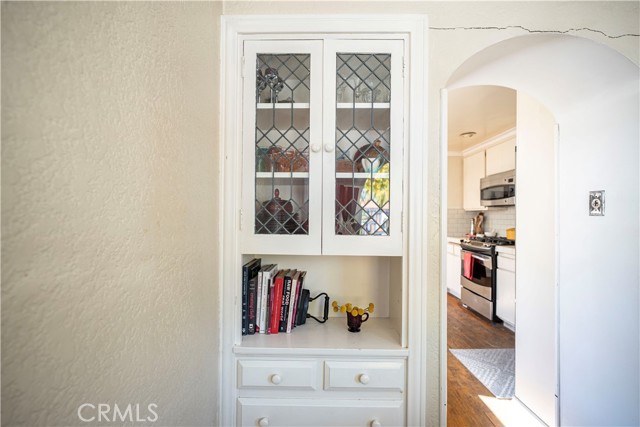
{"points": [[493, 367]]}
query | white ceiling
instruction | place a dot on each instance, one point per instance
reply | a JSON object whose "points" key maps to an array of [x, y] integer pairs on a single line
{"points": [[486, 110]]}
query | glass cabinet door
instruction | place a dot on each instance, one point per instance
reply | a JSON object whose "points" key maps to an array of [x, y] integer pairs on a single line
{"points": [[282, 147], [363, 134]]}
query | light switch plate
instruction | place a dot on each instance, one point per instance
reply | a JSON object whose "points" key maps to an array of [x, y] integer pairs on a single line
{"points": [[596, 203]]}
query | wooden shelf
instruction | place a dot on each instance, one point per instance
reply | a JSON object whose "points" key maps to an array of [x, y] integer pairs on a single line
{"points": [[281, 175], [361, 175], [283, 106], [363, 105], [330, 338]]}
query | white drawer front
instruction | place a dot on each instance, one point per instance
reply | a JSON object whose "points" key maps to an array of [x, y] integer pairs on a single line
{"points": [[364, 375], [307, 412], [506, 262], [286, 374]]}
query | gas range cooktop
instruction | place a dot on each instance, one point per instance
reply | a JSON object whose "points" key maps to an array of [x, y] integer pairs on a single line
{"points": [[487, 242]]}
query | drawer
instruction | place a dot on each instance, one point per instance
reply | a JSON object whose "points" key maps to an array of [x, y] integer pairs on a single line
{"points": [[285, 374], [342, 375], [319, 412], [506, 262]]}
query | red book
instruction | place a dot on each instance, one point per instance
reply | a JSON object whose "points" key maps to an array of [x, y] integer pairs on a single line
{"points": [[276, 302]]}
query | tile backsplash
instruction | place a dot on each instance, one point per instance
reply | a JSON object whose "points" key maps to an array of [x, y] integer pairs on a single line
{"points": [[498, 219]]}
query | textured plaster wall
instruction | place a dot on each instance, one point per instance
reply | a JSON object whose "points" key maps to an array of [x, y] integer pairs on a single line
{"points": [[109, 210], [457, 32]]}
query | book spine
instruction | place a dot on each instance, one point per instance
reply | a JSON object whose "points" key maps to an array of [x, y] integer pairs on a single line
{"points": [[292, 302], [266, 279], [245, 292], [259, 301], [286, 298], [251, 306], [271, 294], [276, 304], [300, 286]]}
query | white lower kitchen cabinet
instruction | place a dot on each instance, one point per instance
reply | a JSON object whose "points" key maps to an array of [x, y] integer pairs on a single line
{"points": [[453, 269], [506, 289]]}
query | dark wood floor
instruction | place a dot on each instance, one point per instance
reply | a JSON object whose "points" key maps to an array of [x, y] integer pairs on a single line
{"points": [[466, 329]]}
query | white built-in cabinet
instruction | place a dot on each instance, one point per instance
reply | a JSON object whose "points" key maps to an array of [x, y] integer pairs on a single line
{"points": [[506, 287], [323, 173]]}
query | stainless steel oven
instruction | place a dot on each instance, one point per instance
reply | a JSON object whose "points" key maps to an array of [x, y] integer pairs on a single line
{"points": [[478, 278]]}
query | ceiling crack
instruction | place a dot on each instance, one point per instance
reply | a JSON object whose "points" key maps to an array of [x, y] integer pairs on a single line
{"points": [[508, 27]]}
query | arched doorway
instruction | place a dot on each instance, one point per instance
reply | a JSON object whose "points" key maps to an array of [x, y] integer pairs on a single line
{"points": [[593, 93]]}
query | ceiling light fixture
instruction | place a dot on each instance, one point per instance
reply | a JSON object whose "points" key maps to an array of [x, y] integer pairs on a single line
{"points": [[468, 135]]}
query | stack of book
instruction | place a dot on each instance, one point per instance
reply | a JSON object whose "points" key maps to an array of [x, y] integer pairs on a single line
{"points": [[270, 298]]}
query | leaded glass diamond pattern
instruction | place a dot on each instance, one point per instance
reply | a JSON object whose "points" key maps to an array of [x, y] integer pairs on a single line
{"points": [[282, 144], [362, 201], [282, 78]]}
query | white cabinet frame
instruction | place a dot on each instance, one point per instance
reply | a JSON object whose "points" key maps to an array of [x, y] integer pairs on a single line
{"points": [[234, 29]]}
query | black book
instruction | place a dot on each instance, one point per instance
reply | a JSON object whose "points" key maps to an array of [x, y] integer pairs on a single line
{"points": [[249, 270], [251, 305], [286, 300]]}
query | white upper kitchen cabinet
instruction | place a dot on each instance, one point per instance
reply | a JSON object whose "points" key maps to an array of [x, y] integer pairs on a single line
{"points": [[473, 167], [501, 157]]}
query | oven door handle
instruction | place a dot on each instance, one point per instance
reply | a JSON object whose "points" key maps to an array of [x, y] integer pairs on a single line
{"points": [[476, 255], [481, 257]]}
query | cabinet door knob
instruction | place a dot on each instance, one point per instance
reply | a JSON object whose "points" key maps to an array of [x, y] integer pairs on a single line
{"points": [[276, 379], [375, 423], [264, 422], [315, 147], [328, 148], [364, 379]]}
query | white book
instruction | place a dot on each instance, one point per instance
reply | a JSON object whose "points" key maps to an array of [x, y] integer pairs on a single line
{"points": [[259, 298], [292, 300], [267, 278]]}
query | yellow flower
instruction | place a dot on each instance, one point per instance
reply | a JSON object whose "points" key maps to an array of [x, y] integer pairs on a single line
{"points": [[371, 307], [349, 306], [334, 304], [354, 312], [360, 311], [343, 309], [335, 309]]}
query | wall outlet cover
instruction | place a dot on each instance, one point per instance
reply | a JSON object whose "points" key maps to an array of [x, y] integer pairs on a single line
{"points": [[596, 203]]}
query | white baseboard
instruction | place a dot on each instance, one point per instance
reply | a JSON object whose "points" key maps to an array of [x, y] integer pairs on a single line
{"points": [[454, 293]]}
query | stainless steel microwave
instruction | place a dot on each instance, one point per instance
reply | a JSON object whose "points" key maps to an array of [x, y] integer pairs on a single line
{"points": [[498, 189]]}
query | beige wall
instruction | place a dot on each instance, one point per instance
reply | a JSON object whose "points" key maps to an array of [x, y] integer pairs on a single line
{"points": [[109, 210]]}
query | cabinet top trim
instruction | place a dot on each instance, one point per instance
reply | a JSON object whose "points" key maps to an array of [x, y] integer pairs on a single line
{"points": [[309, 24]]}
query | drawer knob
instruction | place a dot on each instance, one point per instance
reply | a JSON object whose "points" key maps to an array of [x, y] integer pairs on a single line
{"points": [[315, 148], [264, 422], [364, 379], [375, 423], [328, 148], [276, 379]]}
